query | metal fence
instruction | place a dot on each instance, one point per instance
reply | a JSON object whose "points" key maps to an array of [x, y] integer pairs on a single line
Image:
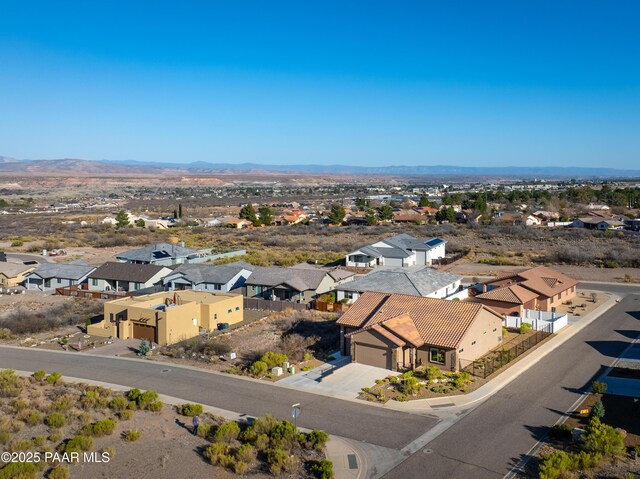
{"points": [[489, 364]]}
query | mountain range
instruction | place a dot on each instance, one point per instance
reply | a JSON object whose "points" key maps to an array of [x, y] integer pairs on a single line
{"points": [[79, 166]]}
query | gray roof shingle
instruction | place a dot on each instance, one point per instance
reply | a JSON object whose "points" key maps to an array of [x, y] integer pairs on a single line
{"points": [[418, 283], [212, 274], [73, 270], [136, 273], [156, 252]]}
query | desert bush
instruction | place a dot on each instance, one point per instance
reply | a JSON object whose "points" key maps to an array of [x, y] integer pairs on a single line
{"points": [[272, 359], [560, 431], [145, 400], [189, 409], [125, 415], [215, 452], [262, 442], [58, 472], [64, 402], [21, 470], [281, 461], [598, 409], [119, 403], [26, 321], [33, 418], [524, 327], [246, 453], [432, 373], [155, 406], [258, 369], [227, 432], [556, 465], [460, 379], [204, 429], [40, 374], [54, 377], [132, 436], [77, 444], [411, 386], [100, 428], [599, 387], [284, 435], [55, 436], [602, 439], [5, 333], [264, 424], [20, 445], [323, 469], [240, 467], [5, 437], [56, 420], [9, 383], [317, 439]]}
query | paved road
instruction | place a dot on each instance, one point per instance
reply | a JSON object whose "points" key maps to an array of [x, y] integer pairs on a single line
{"points": [[348, 419], [489, 441]]}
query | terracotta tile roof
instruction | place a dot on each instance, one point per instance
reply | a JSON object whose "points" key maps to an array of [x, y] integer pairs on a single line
{"points": [[438, 322], [388, 334], [542, 280], [509, 294]]}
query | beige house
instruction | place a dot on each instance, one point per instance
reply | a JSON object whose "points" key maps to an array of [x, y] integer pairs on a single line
{"points": [[167, 317], [400, 331], [13, 274]]}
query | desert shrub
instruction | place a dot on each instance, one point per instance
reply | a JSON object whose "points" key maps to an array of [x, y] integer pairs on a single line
{"points": [[5, 333], [56, 420], [9, 383], [134, 395], [77, 444], [460, 379], [585, 460], [599, 387], [55, 436], [560, 431], [280, 461], [323, 469], [240, 467], [119, 403], [155, 406], [602, 439], [21, 470], [189, 409], [54, 377], [308, 356], [5, 437], [215, 452], [38, 441], [432, 373], [284, 435], [556, 465], [248, 435], [262, 442], [258, 369], [40, 374], [58, 472], [204, 429], [20, 445], [317, 439], [100, 428], [524, 327], [33, 418], [401, 398], [93, 400], [598, 409], [64, 402], [411, 386], [246, 453], [125, 415], [132, 436], [272, 359], [227, 432], [146, 399], [264, 424]]}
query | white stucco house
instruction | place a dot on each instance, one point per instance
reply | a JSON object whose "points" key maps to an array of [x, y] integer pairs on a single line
{"points": [[402, 250]]}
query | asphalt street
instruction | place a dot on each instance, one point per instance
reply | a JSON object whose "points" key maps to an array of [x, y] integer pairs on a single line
{"points": [[349, 419], [491, 440]]}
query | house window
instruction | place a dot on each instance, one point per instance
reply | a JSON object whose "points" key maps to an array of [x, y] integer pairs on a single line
{"points": [[237, 308], [461, 350], [217, 287], [230, 311], [259, 290], [495, 329], [59, 280], [473, 343], [94, 281], [437, 356], [215, 316], [137, 286]]}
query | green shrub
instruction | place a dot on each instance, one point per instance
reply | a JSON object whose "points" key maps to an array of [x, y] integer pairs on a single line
{"points": [[146, 398], [272, 359], [190, 409], [40, 374], [5, 437], [63, 403], [204, 429], [323, 469], [556, 465], [125, 415], [411, 386], [318, 439], [54, 377], [308, 357], [259, 369], [77, 444], [132, 436], [598, 409], [21, 445], [5, 333], [227, 432], [58, 472], [524, 327], [280, 461], [240, 467], [262, 442], [365, 390], [134, 395], [9, 383], [264, 424], [284, 435], [33, 418], [119, 403], [407, 374], [19, 470], [215, 452], [104, 427], [432, 373], [246, 453], [599, 387], [249, 435], [505, 331], [55, 436], [603, 439], [460, 379], [56, 420], [39, 441], [401, 398], [155, 406]]}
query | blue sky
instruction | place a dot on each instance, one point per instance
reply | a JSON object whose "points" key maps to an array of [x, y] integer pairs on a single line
{"points": [[366, 83]]}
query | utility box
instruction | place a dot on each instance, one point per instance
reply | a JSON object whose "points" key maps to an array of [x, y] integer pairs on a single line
{"points": [[285, 365], [277, 371], [292, 369]]}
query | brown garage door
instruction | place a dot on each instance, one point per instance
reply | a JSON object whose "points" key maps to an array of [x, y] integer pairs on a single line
{"points": [[373, 356], [142, 331]]}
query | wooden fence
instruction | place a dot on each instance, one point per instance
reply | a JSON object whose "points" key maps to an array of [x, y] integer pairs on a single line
{"points": [[267, 305]]}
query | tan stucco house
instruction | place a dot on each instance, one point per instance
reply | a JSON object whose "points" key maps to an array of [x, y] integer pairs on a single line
{"points": [[13, 274], [400, 331], [167, 317]]}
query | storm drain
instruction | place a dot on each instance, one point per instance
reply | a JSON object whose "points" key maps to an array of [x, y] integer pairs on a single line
{"points": [[165, 370], [353, 461], [448, 404]]}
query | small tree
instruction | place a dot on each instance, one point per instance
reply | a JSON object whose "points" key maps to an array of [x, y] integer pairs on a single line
{"points": [[248, 213], [336, 215], [385, 213], [266, 216], [603, 439], [371, 217], [122, 219], [424, 201], [180, 210], [144, 347], [598, 409], [599, 387], [140, 223]]}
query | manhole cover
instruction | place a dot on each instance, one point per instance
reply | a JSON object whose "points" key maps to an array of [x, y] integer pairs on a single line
{"points": [[166, 370], [428, 451]]}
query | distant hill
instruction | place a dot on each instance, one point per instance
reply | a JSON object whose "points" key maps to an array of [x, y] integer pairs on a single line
{"points": [[92, 167]]}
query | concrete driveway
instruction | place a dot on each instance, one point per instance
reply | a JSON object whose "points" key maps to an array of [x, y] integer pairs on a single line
{"points": [[344, 381]]}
